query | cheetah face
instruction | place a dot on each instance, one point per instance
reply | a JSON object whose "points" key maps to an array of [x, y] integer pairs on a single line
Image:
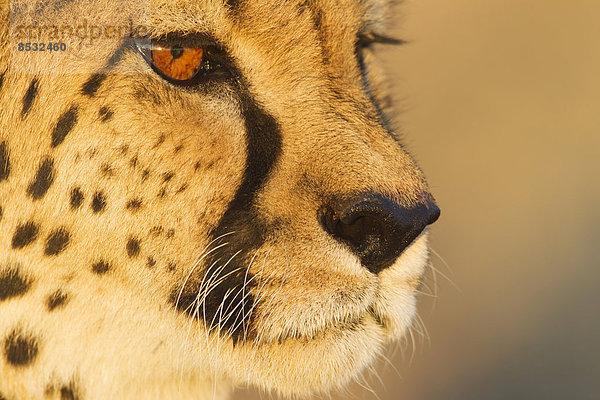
{"points": [[218, 184]]}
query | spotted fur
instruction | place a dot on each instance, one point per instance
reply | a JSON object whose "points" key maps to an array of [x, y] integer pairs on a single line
{"points": [[163, 242]]}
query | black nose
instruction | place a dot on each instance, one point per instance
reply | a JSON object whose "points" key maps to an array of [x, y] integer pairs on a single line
{"points": [[376, 228]]}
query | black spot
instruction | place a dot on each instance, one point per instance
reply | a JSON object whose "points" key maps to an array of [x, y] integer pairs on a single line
{"points": [[20, 348], [228, 304], [197, 166], [170, 233], [106, 170], [234, 5], [123, 149], [178, 148], [105, 114], [134, 204], [182, 188], [43, 180], [2, 79], [160, 141], [98, 202], [57, 241], [91, 86], [1, 213], [146, 93], [133, 247], [56, 299], [145, 174], [92, 152], [167, 176], [24, 235], [133, 162], [66, 392], [171, 266], [156, 230], [69, 392], [65, 124], [12, 283], [76, 198], [100, 267], [4, 162], [150, 262], [162, 193], [29, 97]]}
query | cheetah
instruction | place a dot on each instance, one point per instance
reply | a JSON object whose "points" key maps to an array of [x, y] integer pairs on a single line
{"points": [[200, 195]]}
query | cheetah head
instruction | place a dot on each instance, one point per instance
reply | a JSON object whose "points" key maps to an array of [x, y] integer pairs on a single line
{"points": [[201, 194]]}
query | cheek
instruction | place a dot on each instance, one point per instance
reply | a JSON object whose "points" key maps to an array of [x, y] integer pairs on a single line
{"points": [[305, 287], [397, 308]]}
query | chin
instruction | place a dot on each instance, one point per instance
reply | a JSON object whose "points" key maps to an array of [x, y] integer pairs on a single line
{"points": [[328, 358]]}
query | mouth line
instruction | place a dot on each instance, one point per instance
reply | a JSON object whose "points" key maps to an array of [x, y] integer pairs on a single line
{"points": [[350, 324], [377, 317]]}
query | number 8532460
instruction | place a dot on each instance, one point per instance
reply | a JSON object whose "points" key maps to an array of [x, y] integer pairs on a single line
{"points": [[42, 46]]}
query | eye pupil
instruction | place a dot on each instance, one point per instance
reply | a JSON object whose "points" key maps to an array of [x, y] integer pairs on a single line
{"points": [[176, 52]]}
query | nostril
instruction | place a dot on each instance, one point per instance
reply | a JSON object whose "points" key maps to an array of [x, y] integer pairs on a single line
{"points": [[362, 232], [377, 229]]}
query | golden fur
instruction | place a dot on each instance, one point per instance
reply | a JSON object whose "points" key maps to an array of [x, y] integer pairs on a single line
{"points": [[319, 318]]}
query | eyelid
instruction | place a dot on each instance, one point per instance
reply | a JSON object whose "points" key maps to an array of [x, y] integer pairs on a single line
{"points": [[193, 40], [182, 39]]}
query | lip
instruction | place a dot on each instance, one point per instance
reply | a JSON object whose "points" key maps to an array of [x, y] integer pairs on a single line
{"points": [[349, 324]]}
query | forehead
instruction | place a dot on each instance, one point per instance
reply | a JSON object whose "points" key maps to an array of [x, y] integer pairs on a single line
{"points": [[260, 16], [332, 19]]}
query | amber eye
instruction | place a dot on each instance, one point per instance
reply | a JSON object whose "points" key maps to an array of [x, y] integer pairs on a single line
{"points": [[187, 60], [178, 63]]}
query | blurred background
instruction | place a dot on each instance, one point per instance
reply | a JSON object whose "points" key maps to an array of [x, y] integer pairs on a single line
{"points": [[499, 101]]}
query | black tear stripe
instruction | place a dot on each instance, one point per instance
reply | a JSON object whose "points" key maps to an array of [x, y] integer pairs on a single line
{"points": [[29, 97], [91, 86], [229, 303]]}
